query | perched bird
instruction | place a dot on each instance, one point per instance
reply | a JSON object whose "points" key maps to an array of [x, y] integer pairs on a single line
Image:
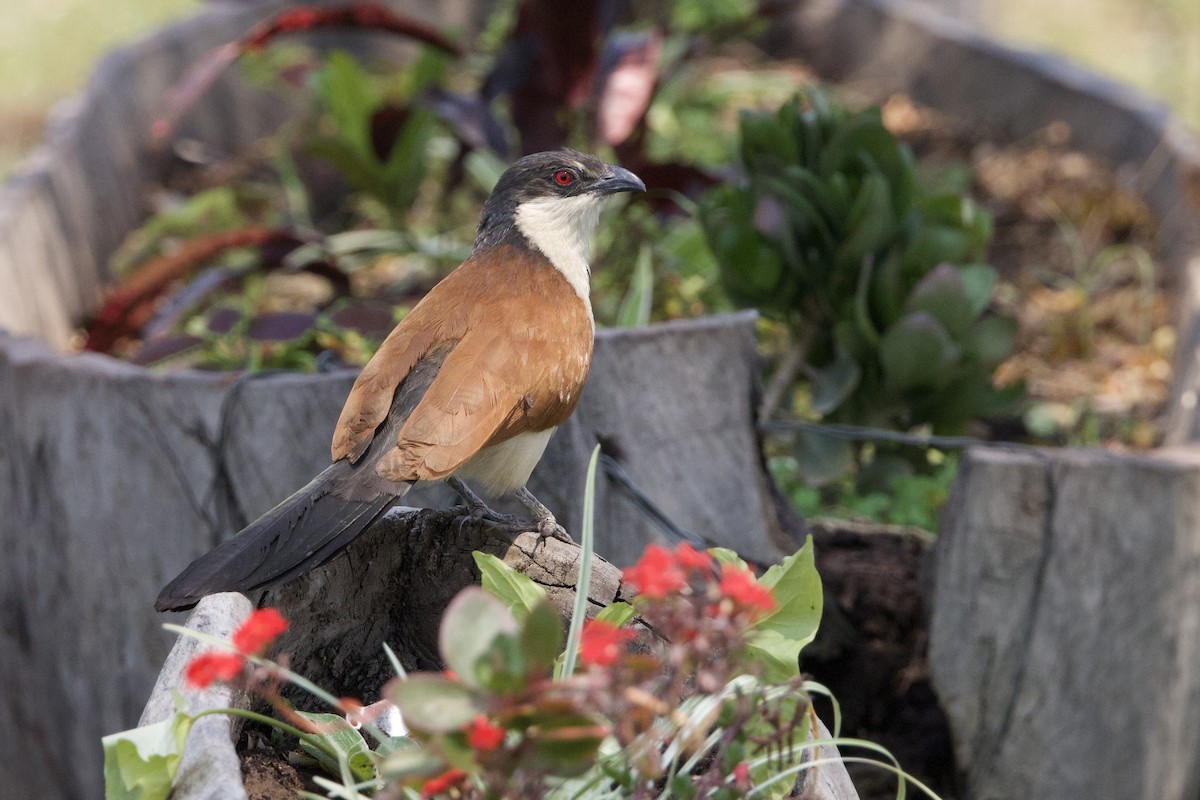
{"points": [[471, 384]]}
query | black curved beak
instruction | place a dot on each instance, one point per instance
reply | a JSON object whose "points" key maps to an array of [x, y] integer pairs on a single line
{"points": [[619, 179]]}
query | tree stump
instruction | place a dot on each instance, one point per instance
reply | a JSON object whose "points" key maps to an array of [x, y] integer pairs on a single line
{"points": [[1065, 628]]}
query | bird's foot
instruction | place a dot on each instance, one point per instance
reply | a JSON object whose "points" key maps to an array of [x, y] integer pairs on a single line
{"points": [[543, 519], [543, 522]]}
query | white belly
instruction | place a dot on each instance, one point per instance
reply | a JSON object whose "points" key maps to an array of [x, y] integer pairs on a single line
{"points": [[506, 467]]}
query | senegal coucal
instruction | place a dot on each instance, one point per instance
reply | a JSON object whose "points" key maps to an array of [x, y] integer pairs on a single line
{"points": [[471, 384]]}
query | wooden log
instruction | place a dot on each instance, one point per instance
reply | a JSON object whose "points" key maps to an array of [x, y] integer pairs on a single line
{"points": [[1065, 628]]}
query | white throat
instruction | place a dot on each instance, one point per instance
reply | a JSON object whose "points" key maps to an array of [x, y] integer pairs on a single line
{"points": [[562, 227]]}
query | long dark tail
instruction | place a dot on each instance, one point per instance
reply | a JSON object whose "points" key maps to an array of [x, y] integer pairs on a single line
{"points": [[301, 533]]}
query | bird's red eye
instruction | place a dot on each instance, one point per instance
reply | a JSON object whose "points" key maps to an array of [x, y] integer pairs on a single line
{"points": [[564, 177]]}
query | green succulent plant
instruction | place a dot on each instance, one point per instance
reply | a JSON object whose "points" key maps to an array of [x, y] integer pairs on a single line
{"points": [[879, 281]]}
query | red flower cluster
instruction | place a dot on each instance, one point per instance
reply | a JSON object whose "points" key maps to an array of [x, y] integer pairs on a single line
{"points": [[741, 777], [740, 586], [656, 574], [440, 783], [208, 667], [602, 643], [483, 735], [258, 631], [251, 638], [660, 572]]}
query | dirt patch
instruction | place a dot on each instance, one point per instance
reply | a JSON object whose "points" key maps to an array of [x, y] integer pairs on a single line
{"points": [[1074, 246], [871, 654], [266, 772]]}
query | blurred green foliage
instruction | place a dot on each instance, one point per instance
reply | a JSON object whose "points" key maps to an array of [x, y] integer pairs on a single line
{"points": [[904, 496], [878, 281]]}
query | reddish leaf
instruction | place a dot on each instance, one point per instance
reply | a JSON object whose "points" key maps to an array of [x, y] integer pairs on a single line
{"points": [[280, 326], [195, 81], [371, 319], [557, 53], [372, 16], [330, 272], [131, 305], [629, 75], [223, 320], [153, 351], [170, 312], [386, 124]]}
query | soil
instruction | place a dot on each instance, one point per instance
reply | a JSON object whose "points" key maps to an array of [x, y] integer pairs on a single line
{"points": [[266, 770], [871, 653]]}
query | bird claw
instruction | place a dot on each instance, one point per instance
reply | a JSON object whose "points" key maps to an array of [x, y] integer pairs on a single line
{"points": [[550, 529], [493, 518]]}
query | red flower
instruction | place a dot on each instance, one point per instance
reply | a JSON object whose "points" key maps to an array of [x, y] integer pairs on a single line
{"points": [[689, 557], [483, 735], [741, 776], [208, 667], [656, 574], [259, 630], [441, 783], [602, 642], [740, 586]]}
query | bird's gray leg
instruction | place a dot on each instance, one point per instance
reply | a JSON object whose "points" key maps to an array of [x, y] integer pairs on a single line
{"points": [[476, 505], [547, 525]]}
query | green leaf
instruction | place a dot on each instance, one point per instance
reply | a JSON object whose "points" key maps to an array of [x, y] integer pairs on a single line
{"points": [[870, 224], [990, 340], [345, 91], [434, 703], [978, 282], [942, 293], [542, 638], [562, 742], [406, 763], [764, 141], [342, 738], [916, 353], [832, 384], [932, 245], [428, 69], [618, 613], [723, 555], [821, 458], [517, 591], [471, 628], [635, 308], [346, 159], [583, 581], [141, 763], [407, 161], [777, 638]]}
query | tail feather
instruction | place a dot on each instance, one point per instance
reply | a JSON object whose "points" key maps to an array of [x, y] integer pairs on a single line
{"points": [[301, 533]]}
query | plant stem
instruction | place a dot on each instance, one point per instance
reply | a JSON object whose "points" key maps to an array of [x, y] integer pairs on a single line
{"points": [[785, 375], [291, 730]]}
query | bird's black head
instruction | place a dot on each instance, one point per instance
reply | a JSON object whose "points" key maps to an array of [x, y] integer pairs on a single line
{"points": [[555, 194]]}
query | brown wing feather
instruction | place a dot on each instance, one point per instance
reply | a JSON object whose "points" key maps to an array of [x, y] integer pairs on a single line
{"points": [[522, 353], [439, 318]]}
